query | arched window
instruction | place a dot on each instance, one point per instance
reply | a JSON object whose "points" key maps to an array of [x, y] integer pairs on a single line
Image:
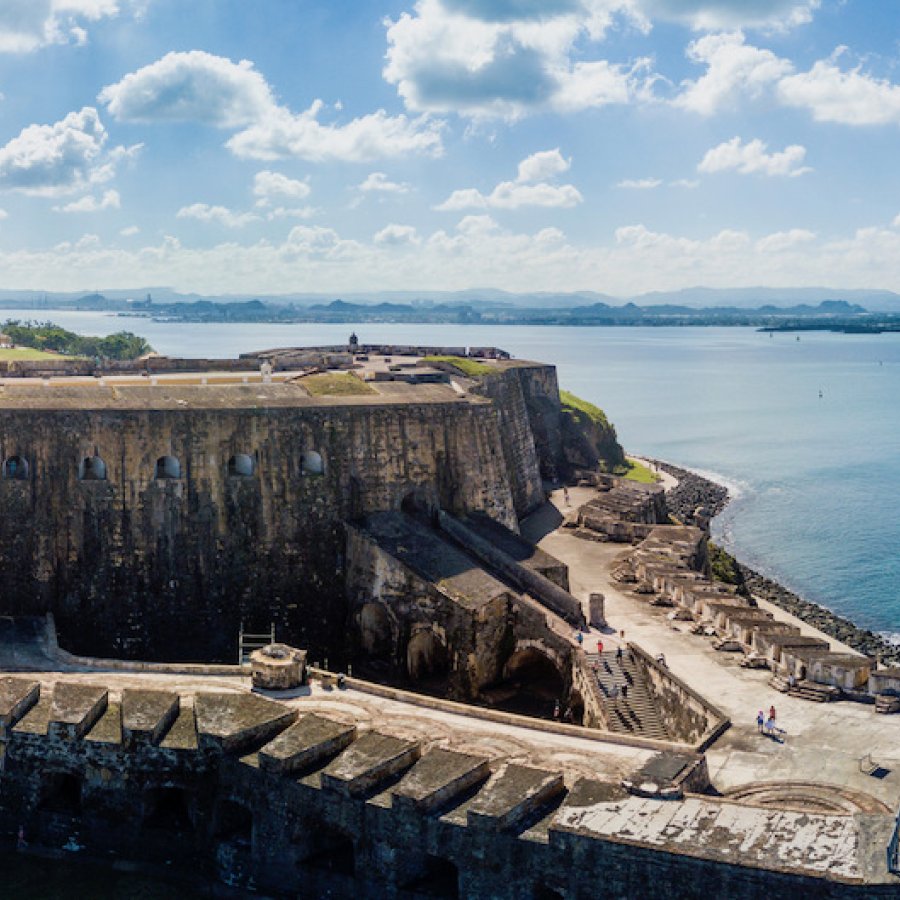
{"points": [[92, 469], [311, 463], [168, 467], [16, 468], [241, 466]]}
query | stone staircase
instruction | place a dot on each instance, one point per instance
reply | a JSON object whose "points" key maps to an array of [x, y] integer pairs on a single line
{"points": [[806, 690], [635, 713]]}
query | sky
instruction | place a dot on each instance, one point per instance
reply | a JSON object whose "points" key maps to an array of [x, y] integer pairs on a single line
{"points": [[294, 146]]}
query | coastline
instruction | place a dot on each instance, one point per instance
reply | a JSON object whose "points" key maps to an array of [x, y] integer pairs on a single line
{"points": [[695, 490]]}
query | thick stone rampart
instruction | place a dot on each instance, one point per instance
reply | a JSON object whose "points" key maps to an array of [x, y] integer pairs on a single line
{"points": [[136, 565]]}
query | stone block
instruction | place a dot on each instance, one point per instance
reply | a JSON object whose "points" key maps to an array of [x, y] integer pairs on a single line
{"points": [[75, 709], [278, 667], [374, 758], [147, 715], [232, 723], [512, 796], [308, 741], [438, 777], [17, 696]]}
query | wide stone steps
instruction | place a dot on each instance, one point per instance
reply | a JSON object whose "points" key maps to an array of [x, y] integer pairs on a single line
{"points": [[634, 713]]}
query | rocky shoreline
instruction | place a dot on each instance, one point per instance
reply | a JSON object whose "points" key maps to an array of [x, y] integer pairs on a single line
{"points": [[693, 491]]}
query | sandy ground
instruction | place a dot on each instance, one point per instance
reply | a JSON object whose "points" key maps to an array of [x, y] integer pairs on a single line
{"points": [[824, 742]]}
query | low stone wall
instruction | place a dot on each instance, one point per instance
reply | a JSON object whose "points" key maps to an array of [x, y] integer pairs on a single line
{"points": [[542, 589], [684, 711]]}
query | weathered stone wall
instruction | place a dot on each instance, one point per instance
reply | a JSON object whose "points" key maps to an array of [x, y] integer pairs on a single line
{"points": [[136, 566]]}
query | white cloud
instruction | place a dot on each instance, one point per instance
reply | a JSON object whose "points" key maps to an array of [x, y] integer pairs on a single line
{"points": [[485, 59], [734, 70], [397, 236], [378, 182], [687, 183], [3, 214], [752, 159], [199, 87], [543, 165], [291, 212], [781, 241], [130, 231], [219, 215], [68, 156], [191, 87], [268, 184], [712, 15], [847, 97], [523, 191], [640, 184], [91, 204]]}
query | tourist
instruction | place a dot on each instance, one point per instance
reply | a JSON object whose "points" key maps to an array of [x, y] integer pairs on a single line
{"points": [[619, 653], [624, 691], [566, 495], [599, 646], [614, 692], [556, 711], [760, 721], [661, 659], [772, 713], [579, 637], [770, 726]]}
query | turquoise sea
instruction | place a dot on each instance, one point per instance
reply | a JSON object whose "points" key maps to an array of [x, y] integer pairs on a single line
{"points": [[816, 480]]}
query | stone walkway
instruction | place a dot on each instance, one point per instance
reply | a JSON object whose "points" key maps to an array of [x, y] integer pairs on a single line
{"points": [[824, 742]]}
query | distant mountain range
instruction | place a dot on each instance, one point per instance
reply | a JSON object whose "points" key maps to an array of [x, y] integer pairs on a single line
{"points": [[480, 299]]}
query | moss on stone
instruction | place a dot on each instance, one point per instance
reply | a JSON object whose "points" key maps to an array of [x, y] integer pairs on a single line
{"points": [[331, 384], [469, 367]]}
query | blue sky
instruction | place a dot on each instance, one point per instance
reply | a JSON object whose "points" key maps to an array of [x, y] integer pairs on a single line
{"points": [[287, 146]]}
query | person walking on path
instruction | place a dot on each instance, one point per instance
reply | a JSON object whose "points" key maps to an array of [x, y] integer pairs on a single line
{"points": [[619, 653], [772, 713], [599, 646], [566, 495], [579, 637], [760, 721]]}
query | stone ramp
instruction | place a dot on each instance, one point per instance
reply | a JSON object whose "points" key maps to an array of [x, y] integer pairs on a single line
{"points": [[635, 713]]}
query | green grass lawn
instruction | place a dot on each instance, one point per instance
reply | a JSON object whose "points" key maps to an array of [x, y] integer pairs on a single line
{"points": [[581, 409], [638, 472], [469, 367], [29, 353], [334, 384]]}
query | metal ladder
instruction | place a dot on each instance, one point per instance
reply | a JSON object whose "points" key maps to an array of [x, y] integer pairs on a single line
{"points": [[247, 642]]}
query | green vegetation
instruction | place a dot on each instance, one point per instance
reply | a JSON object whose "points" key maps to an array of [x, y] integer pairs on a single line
{"points": [[581, 410], [333, 384], [469, 367], [724, 566], [28, 353], [45, 336], [635, 471]]}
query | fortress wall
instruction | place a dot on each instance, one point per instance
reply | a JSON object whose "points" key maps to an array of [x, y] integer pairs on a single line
{"points": [[140, 567], [522, 463]]}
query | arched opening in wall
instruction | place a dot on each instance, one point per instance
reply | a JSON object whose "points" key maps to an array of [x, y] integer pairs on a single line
{"points": [[575, 709], [168, 809], [532, 684], [61, 793], [16, 468], [241, 466], [311, 463], [375, 632], [167, 467], [328, 848], [92, 468], [233, 824], [427, 662], [439, 878]]}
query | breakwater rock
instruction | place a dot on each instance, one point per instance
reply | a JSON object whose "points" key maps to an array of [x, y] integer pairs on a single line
{"points": [[691, 492]]}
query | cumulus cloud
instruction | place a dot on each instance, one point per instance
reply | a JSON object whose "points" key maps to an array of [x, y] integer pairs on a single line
{"points": [[752, 159], [848, 97], [640, 184], [378, 182], [58, 159], [687, 183], [291, 212], [199, 87], [734, 71], [484, 58], [712, 15], [26, 25], [526, 190], [397, 236], [3, 214], [91, 204], [267, 185], [781, 241], [220, 215], [130, 231]]}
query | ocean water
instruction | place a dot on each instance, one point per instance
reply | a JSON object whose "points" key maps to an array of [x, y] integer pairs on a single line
{"points": [[815, 480]]}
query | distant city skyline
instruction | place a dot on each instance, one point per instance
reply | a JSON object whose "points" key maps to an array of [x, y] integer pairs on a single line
{"points": [[617, 146]]}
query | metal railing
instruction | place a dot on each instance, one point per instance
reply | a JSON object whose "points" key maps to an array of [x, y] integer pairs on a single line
{"points": [[247, 642]]}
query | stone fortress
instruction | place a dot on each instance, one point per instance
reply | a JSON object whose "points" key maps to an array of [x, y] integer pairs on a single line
{"points": [[461, 733]]}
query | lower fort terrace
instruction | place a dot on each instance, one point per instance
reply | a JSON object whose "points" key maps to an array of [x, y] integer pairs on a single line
{"points": [[380, 622]]}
